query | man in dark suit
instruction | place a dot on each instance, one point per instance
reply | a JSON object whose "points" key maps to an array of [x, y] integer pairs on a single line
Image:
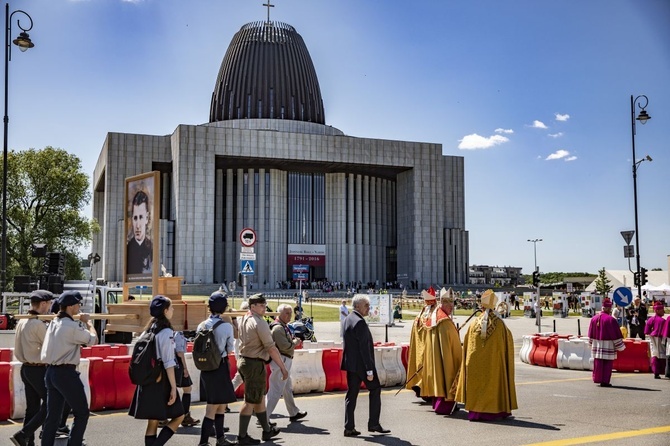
{"points": [[358, 360]]}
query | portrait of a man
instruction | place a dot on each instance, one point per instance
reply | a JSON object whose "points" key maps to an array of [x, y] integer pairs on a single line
{"points": [[141, 227], [140, 248]]}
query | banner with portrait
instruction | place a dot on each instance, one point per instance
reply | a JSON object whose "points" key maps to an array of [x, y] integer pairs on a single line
{"points": [[141, 229]]}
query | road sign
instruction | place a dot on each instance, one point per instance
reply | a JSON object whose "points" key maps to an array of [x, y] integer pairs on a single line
{"points": [[247, 267], [248, 237], [247, 256], [627, 236], [301, 277], [623, 296], [300, 268], [628, 251], [246, 249]]}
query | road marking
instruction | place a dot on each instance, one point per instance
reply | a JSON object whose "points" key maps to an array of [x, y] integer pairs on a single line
{"points": [[549, 381], [605, 437]]}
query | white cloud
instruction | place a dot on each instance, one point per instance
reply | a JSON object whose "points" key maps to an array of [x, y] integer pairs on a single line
{"points": [[571, 158], [556, 135], [508, 131], [560, 117], [538, 125], [557, 155], [475, 141]]}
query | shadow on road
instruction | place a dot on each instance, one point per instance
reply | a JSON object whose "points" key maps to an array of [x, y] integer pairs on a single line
{"points": [[516, 422], [387, 440], [644, 389]]}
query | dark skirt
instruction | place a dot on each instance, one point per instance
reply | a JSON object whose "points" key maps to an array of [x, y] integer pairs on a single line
{"points": [[150, 402], [180, 379], [218, 386]]}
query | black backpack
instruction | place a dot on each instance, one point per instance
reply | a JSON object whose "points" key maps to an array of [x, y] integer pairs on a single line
{"points": [[206, 354], [145, 367]]}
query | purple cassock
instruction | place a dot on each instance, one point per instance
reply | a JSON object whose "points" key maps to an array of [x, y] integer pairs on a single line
{"points": [[654, 328], [605, 339]]}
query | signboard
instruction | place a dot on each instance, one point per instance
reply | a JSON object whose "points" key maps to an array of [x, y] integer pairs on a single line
{"points": [[248, 237], [380, 309], [300, 268], [247, 256], [628, 251], [622, 296], [246, 249], [627, 236], [247, 267], [301, 253], [301, 277]]}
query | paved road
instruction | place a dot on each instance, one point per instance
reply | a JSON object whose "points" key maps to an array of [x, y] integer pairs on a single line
{"points": [[556, 406]]}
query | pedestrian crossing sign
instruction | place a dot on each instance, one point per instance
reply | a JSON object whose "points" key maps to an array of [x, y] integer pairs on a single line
{"points": [[247, 267]]}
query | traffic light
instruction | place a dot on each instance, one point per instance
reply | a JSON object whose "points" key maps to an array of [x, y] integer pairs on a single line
{"points": [[643, 276], [536, 278], [636, 279]]}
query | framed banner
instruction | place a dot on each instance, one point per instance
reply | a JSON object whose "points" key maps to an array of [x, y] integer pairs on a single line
{"points": [[141, 228]]}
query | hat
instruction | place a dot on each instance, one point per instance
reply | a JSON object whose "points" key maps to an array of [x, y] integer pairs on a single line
{"points": [[428, 296], [55, 307], [218, 302], [41, 296], [158, 305], [489, 299], [257, 299], [607, 303], [446, 295], [658, 305], [68, 299]]}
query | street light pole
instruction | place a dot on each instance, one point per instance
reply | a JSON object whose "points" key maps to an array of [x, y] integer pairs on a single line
{"points": [[643, 117], [538, 313], [24, 43], [534, 241]]}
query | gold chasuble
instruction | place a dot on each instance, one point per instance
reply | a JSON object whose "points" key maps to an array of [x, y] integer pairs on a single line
{"points": [[486, 380], [417, 347]]}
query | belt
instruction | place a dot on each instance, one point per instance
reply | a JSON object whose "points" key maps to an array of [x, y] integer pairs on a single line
{"points": [[69, 366], [33, 364], [253, 359], [286, 356]]}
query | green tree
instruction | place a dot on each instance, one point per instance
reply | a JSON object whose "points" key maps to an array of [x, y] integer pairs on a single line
{"points": [[46, 191], [603, 284]]}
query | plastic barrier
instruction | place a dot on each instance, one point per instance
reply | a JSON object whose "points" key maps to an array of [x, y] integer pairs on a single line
{"points": [[101, 350], [123, 388], [392, 364], [307, 371], [86, 352], [635, 358], [119, 350], [526, 348], [404, 356], [381, 372], [5, 395], [101, 381], [336, 379], [194, 373], [232, 365], [6, 354], [83, 376], [540, 347], [18, 392]]}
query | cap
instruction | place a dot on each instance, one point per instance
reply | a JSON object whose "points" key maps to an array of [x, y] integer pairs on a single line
{"points": [[55, 307], [218, 302], [658, 305], [41, 296], [489, 299], [158, 305], [69, 298], [607, 303], [257, 299]]}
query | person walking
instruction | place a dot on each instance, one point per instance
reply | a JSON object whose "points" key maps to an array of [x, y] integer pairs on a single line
{"points": [[605, 339], [256, 349], [218, 386], [286, 344], [28, 340], [62, 351], [358, 360], [183, 379], [160, 400], [344, 312], [654, 330]]}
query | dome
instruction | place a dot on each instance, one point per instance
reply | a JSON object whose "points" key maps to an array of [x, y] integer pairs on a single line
{"points": [[267, 73]]}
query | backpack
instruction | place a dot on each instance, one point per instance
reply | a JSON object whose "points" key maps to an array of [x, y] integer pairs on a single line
{"points": [[145, 367], [206, 354]]}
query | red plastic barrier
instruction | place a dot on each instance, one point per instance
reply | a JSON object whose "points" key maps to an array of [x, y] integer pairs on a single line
{"points": [[101, 350], [123, 388], [552, 352], [539, 351], [189, 347], [6, 354], [5, 394], [232, 365], [336, 379], [118, 350], [101, 380], [86, 352], [635, 358], [404, 355]]}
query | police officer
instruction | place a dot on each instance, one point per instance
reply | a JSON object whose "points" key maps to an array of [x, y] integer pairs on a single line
{"points": [[27, 348], [61, 353]]}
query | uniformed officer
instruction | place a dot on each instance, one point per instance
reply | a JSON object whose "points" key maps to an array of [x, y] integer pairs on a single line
{"points": [[61, 352], [256, 348], [27, 348]]}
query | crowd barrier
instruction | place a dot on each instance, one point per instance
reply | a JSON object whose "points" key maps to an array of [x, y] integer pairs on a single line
{"points": [[573, 352]]}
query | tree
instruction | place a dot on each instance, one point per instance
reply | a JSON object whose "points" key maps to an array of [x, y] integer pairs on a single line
{"points": [[46, 191], [603, 284]]}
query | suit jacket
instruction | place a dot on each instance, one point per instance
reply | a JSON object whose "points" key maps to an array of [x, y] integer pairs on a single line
{"points": [[359, 354]]}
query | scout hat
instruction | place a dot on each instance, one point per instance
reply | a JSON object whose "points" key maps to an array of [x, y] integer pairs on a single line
{"points": [[257, 298], [158, 305], [68, 299], [218, 302], [41, 296]]}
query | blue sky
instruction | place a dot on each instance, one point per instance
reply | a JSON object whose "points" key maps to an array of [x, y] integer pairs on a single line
{"points": [[535, 95]]}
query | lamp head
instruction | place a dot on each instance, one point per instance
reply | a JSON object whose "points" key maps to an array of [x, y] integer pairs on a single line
{"points": [[648, 158], [23, 42], [643, 117]]}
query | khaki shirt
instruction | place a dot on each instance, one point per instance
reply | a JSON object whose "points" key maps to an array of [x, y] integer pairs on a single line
{"points": [[63, 340], [283, 339], [29, 339], [255, 337]]}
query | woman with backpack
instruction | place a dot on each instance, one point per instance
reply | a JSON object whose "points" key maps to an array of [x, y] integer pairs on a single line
{"points": [[160, 400], [218, 386]]}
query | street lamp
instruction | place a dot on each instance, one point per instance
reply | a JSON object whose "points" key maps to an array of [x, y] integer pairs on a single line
{"points": [[536, 279], [643, 117], [534, 242], [24, 43]]}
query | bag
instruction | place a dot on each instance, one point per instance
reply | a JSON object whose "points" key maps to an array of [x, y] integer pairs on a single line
{"points": [[145, 367], [206, 354]]}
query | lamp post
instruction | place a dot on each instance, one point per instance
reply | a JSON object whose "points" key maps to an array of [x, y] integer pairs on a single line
{"points": [[24, 43], [643, 117], [538, 313], [534, 242]]}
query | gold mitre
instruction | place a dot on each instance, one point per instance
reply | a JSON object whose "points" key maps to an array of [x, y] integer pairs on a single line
{"points": [[427, 297], [447, 295], [489, 300]]}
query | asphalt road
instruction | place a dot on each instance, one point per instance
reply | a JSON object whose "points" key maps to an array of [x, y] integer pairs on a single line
{"points": [[557, 407]]}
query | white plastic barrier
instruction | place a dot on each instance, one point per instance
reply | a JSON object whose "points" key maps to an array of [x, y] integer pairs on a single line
{"points": [[18, 409], [587, 360], [391, 363], [526, 348], [307, 371], [572, 352], [381, 372], [326, 344], [194, 373], [83, 375]]}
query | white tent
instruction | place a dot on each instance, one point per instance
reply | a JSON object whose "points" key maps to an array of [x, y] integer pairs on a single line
{"points": [[662, 287]]}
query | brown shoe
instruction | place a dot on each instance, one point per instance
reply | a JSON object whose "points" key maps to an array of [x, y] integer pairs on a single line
{"points": [[189, 421]]}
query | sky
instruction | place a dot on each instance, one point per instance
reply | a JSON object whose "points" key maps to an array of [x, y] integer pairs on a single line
{"points": [[534, 95]]}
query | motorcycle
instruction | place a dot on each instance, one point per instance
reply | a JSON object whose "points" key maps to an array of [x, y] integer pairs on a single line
{"points": [[303, 329]]}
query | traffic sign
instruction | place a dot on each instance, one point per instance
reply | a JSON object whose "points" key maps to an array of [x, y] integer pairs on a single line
{"points": [[248, 237], [246, 249], [627, 236], [300, 268], [247, 256], [628, 251], [247, 267], [623, 296]]}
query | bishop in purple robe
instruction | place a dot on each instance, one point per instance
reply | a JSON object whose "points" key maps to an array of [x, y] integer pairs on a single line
{"points": [[605, 339]]}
